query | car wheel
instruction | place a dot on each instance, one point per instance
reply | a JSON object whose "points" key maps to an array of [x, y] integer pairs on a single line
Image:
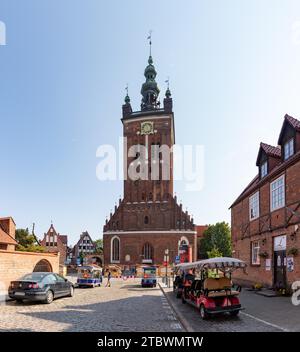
{"points": [[19, 300], [203, 312], [49, 297], [71, 291], [234, 313]]}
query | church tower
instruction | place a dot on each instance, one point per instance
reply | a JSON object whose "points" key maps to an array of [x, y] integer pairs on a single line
{"points": [[148, 221]]}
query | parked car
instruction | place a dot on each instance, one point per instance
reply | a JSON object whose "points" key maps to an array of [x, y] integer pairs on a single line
{"points": [[40, 286]]}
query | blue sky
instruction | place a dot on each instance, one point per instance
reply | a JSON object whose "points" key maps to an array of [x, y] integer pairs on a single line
{"points": [[234, 72]]}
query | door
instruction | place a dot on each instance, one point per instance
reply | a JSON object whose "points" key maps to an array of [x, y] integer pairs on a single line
{"points": [[63, 285], [280, 269]]}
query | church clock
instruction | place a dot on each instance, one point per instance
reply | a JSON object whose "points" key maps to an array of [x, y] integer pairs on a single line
{"points": [[147, 127]]}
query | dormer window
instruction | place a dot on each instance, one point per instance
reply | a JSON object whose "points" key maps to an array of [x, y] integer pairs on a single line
{"points": [[264, 169], [289, 149]]}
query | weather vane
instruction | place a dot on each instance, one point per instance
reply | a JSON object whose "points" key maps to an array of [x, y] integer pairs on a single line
{"points": [[126, 88], [150, 39], [168, 81]]}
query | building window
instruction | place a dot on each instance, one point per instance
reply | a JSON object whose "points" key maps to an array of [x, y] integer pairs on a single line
{"points": [[264, 169], [255, 259], [254, 206], [289, 149], [147, 251], [146, 220], [115, 247], [277, 193]]}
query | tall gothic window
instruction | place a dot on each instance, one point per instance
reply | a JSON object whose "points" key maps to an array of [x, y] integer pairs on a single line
{"points": [[115, 249], [147, 251]]}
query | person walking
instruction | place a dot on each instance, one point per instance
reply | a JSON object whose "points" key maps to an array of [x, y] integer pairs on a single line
{"points": [[108, 279]]}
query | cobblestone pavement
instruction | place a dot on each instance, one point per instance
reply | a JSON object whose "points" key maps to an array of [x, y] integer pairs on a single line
{"points": [[123, 307], [260, 314]]}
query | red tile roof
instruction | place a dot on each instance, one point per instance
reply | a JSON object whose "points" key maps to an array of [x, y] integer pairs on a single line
{"points": [[6, 238], [257, 181], [274, 152], [270, 150], [294, 122]]}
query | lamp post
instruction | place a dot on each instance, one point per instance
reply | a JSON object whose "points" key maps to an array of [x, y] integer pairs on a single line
{"points": [[166, 263]]}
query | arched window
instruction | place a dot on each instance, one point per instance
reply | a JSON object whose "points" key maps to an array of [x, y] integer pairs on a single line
{"points": [[147, 251], [115, 249]]}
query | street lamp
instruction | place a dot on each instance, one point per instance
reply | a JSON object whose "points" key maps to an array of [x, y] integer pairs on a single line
{"points": [[166, 263]]}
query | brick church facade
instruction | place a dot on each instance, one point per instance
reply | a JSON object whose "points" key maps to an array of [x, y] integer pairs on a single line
{"points": [[148, 221], [266, 216]]}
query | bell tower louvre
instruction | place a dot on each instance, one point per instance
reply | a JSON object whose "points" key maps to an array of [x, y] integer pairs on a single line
{"points": [[148, 220]]}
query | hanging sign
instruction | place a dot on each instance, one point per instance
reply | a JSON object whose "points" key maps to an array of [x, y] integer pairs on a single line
{"points": [[280, 243], [290, 264]]}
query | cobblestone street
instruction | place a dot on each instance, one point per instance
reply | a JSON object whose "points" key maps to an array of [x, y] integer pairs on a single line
{"points": [[123, 307]]}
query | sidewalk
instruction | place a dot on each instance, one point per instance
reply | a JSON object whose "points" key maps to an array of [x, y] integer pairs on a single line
{"points": [[261, 314]]}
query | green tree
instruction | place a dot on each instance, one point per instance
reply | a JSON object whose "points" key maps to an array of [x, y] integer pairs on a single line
{"points": [[216, 241], [27, 242], [99, 246], [215, 252]]}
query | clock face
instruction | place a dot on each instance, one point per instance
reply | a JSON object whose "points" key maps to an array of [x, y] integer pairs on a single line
{"points": [[147, 127]]}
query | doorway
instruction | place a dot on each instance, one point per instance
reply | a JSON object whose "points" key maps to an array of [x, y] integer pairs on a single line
{"points": [[279, 279]]}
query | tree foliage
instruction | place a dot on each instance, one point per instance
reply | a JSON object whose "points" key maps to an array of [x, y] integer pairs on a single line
{"points": [[216, 241], [27, 242], [99, 246]]}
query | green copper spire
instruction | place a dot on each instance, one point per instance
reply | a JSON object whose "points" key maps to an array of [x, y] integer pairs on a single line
{"points": [[150, 90]]}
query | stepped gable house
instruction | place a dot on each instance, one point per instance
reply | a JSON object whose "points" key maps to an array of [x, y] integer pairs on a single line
{"points": [[54, 242]]}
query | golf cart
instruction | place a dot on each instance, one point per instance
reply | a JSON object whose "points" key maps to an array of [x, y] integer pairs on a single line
{"points": [[212, 292], [149, 276]]}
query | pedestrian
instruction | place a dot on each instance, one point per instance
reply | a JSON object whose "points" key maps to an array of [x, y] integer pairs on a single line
{"points": [[108, 279]]}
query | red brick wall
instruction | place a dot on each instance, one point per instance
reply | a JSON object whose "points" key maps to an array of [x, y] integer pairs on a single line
{"points": [[269, 225], [15, 264], [132, 244]]}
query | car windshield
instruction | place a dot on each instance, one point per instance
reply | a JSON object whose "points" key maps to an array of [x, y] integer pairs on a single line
{"points": [[33, 277]]}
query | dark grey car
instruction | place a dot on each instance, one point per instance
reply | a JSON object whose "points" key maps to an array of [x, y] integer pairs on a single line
{"points": [[40, 286]]}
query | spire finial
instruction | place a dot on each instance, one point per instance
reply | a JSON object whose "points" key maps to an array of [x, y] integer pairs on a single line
{"points": [[127, 99], [150, 40], [168, 92]]}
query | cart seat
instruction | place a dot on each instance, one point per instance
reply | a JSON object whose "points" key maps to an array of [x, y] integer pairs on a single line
{"points": [[222, 293], [219, 287]]}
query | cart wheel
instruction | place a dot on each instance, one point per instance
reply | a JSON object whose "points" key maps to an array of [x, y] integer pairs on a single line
{"points": [[203, 312], [234, 313]]}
